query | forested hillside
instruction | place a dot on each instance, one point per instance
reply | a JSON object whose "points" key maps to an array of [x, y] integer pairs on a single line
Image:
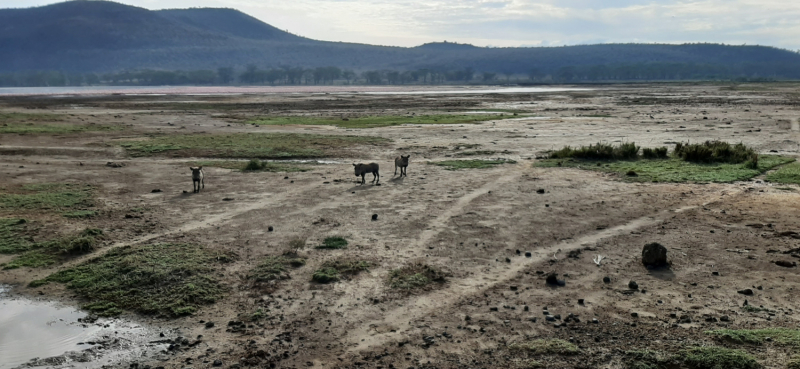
{"points": [[105, 42]]}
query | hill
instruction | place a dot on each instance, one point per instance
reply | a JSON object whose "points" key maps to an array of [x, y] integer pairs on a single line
{"points": [[102, 36]]}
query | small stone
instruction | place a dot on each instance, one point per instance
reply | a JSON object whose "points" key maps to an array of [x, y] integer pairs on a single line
{"points": [[228, 199], [217, 362], [209, 324], [595, 321], [635, 315], [580, 301], [374, 217], [725, 318], [606, 280], [527, 254], [525, 308], [540, 191], [714, 273], [467, 318], [633, 285], [156, 190], [270, 229], [508, 260], [746, 292], [552, 279], [493, 309], [550, 318]]}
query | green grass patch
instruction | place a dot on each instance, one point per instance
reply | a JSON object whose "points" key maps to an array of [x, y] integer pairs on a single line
{"points": [[415, 277], [672, 170], [781, 336], [48, 196], [275, 267], [79, 214], [379, 121], [476, 153], [335, 270], [718, 358], [12, 231], [163, 279], [470, 164], [47, 253], [787, 174], [248, 145], [333, 243], [753, 309], [546, 347]]}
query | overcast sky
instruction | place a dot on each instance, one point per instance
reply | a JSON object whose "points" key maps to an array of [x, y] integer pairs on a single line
{"points": [[516, 22]]}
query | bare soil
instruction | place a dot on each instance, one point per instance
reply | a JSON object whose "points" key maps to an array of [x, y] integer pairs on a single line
{"points": [[476, 225]]}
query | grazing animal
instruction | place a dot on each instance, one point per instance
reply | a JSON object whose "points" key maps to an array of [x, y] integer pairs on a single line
{"points": [[402, 162], [363, 169], [197, 179]]}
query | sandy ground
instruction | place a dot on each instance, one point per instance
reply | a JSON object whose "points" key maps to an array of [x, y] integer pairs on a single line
{"points": [[474, 224]]}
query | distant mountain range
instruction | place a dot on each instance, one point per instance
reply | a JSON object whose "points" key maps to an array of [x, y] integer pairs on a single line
{"points": [[101, 36]]}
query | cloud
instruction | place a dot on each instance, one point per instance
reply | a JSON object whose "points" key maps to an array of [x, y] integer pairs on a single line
{"points": [[518, 22]]}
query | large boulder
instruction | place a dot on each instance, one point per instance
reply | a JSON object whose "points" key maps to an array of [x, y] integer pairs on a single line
{"points": [[654, 255]]}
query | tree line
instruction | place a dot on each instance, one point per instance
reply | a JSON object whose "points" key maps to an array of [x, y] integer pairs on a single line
{"points": [[253, 75]]}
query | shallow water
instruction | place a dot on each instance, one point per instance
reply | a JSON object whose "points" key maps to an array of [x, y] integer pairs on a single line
{"points": [[32, 329]]}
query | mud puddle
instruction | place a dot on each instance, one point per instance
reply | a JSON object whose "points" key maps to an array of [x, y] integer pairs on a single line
{"points": [[40, 334]]}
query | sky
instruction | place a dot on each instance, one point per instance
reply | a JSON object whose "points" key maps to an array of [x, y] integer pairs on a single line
{"points": [[512, 23]]}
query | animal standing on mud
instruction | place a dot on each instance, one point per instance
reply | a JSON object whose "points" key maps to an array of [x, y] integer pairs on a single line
{"points": [[197, 179], [363, 169], [402, 162]]}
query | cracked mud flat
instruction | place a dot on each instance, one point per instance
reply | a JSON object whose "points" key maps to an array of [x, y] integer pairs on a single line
{"points": [[722, 238]]}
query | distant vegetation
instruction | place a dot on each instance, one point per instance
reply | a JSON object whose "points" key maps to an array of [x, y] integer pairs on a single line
{"points": [[711, 161]]}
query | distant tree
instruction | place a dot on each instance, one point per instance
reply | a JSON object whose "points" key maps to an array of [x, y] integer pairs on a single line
{"points": [[372, 77], [349, 75], [225, 75]]}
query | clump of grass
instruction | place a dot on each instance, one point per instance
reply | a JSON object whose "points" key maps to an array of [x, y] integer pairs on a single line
{"points": [[794, 362], [753, 309], [718, 358], [378, 121], [11, 236], [335, 270], [715, 152], [248, 145], [476, 153], [162, 279], [655, 153], [416, 276], [471, 164], [333, 243], [673, 170], [781, 336], [546, 347], [274, 268], [44, 254], [48, 196], [600, 151]]}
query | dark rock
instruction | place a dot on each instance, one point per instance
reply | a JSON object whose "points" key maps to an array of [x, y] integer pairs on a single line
{"points": [[786, 264], [156, 190], [513, 288], [552, 279], [508, 260], [725, 318], [528, 254], [606, 280], [374, 216], [580, 301], [714, 273], [746, 292], [633, 285], [550, 318], [467, 318], [270, 229], [654, 255], [209, 324], [635, 315], [540, 191], [217, 362], [228, 199], [493, 309]]}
